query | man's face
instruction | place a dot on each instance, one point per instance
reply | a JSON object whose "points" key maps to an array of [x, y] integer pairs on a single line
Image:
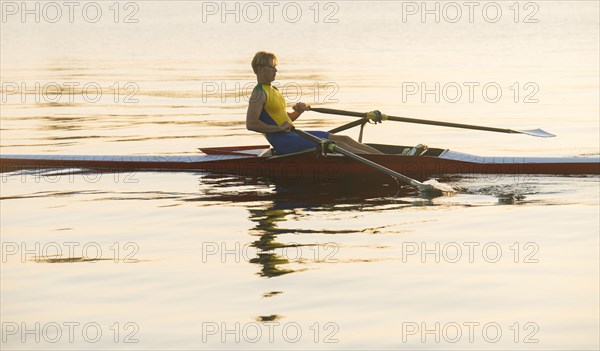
{"points": [[269, 71]]}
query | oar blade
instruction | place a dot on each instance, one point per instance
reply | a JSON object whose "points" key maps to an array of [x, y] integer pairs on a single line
{"points": [[537, 133], [432, 186]]}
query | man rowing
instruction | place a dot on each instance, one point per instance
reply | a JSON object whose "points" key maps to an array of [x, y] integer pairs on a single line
{"points": [[267, 114]]}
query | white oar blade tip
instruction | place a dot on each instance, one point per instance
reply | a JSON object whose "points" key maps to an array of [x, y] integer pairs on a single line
{"points": [[537, 133], [433, 185]]}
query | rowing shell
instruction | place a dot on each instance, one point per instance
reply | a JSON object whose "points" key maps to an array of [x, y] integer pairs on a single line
{"points": [[257, 161]]}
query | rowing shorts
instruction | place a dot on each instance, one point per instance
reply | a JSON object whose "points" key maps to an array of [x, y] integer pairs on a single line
{"points": [[287, 143]]}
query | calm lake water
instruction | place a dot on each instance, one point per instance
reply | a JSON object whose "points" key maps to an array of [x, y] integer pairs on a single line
{"points": [[195, 261]]}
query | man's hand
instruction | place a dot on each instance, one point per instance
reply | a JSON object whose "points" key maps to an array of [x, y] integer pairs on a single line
{"points": [[300, 107]]}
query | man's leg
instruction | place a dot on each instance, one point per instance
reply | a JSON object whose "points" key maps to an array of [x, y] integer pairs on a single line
{"points": [[352, 145]]}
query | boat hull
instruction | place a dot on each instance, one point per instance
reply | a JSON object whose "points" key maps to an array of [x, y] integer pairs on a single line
{"points": [[248, 161]]}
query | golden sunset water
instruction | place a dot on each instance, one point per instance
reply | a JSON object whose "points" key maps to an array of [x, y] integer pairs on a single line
{"points": [[194, 261]]}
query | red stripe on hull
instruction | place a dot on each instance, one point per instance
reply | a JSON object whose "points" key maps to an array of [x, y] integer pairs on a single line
{"points": [[308, 168]]}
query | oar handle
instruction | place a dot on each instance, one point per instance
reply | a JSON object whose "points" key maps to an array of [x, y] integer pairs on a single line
{"points": [[337, 112]]}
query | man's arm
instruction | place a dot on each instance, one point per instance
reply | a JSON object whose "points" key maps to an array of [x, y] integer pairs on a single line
{"points": [[299, 108]]}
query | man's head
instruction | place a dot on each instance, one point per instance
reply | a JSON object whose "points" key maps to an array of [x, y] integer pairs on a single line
{"points": [[263, 59]]}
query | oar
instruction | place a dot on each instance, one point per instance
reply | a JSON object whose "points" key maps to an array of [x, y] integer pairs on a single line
{"points": [[533, 132], [430, 186]]}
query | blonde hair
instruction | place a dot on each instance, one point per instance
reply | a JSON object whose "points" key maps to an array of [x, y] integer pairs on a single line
{"points": [[263, 58]]}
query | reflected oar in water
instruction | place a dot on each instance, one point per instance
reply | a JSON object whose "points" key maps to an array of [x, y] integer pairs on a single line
{"points": [[378, 117], [430, 187]]}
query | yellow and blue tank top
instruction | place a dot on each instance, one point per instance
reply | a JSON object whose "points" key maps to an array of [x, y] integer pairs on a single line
{"points": [[274, 112]]}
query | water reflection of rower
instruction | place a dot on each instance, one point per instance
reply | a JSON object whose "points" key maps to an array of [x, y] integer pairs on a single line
{"points": [[266, 229], [287, 201], [284, 200]]}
